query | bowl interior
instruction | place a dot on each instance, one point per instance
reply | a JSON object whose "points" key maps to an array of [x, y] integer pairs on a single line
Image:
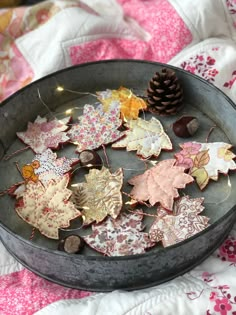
{"points": [[201, 100]]}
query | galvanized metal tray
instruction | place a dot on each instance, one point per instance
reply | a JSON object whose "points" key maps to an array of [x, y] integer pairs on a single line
{"points": [[90, 270]]}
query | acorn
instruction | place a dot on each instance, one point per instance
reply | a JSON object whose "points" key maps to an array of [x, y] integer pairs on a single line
{"points": [[186, 126], [90, 159], [71, 244]]}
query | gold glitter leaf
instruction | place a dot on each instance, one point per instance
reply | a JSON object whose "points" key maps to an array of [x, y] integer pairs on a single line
{"points": [[100, 195]]}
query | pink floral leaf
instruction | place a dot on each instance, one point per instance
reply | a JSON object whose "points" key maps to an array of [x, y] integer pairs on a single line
{"points": [[47, 207], [95, 128], [43, 134], [160, 184], [120, 237], [182, 224], [208, 160]]}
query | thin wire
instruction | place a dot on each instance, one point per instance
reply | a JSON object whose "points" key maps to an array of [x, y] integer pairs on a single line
{"points": [[45, 105], [75, 92]]}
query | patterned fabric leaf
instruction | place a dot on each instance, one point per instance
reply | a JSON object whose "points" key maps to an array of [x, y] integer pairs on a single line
{"points": [[42, 134], [184, 223], [45, 167], [46, 207], [147, 137], [95, 128], [100, 195], [120, 237], [160, 184], [206, 160], [128, 103]]}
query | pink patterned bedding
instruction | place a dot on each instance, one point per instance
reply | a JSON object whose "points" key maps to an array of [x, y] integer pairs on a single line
{"points": [[198, 36]]}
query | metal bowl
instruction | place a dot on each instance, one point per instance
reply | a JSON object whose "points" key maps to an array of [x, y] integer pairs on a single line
{"points": [[90, 270]]}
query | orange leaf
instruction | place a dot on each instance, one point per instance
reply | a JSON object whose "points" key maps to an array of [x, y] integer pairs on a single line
{"points": [[130, 104], [201, 159]]}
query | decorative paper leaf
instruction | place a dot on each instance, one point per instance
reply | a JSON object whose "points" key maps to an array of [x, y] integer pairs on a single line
{"points": [[184, 223], [160, 184], [147, 137], [41, 134], [95, 128], [206, 160], [51, 167], [47, 207], [45, 167], [120, 237], [100, 195], [128, 103]]}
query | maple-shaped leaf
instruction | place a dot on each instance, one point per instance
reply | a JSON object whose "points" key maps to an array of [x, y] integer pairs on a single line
{"points": [[45, 167], [147, 137], [46, 207], [50, 167], [182, 224], [100, 195], [160, 184], [119, 237], [43, 134], [128, 103], [206, 160], [95, 128]]}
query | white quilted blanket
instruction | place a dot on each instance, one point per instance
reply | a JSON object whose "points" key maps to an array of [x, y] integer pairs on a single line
{"points": [[198, 36]]}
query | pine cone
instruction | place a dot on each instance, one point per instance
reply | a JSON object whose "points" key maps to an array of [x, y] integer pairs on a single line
{"points": [[165, 95]]}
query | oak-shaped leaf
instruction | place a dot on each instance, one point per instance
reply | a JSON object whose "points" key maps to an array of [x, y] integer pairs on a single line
{"points": [[147, 137], [120, 237], [45, 167], [43, 134], [95, 128], [100, 195], [183, 223], [206, 160], [47, 207], [160, 184], [128, 103]]}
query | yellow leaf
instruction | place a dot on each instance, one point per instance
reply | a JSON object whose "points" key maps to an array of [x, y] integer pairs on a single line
{"points": [[224, 153], [201, 176], [201, 159], [130, 104], [5, 20]]}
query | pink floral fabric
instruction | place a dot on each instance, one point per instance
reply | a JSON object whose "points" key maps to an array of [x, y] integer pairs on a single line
{"points": [[42, 134], [231, 5], [169, 36], [15, 72], [203, 65], [227, 251], [230, 83], [95, 128], [24, 293]]}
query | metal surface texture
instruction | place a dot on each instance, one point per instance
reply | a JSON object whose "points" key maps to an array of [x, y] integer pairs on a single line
{"points": [[90, 270]]}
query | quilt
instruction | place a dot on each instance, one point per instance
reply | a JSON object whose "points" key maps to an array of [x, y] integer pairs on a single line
{"points": [[197, 36]]}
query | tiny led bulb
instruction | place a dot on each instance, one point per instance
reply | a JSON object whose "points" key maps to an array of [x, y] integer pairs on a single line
{"points": [[60, 89], [68, 111]]}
